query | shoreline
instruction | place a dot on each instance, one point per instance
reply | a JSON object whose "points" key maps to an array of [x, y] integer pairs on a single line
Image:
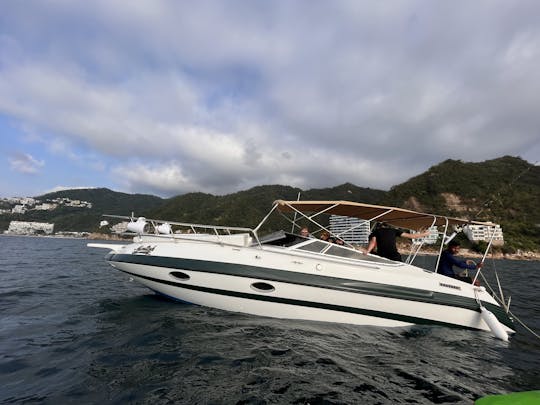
{"points": [[403, 248], [468, 254]]}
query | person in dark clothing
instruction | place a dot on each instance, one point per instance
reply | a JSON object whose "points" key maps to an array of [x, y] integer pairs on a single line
{"points": [[449, 260], [384, 238]]}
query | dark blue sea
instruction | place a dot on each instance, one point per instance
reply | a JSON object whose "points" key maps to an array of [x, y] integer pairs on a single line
{"points": [[74, 330]]}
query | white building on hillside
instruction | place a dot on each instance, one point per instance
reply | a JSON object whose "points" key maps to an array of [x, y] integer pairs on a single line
{"points": [[121, 227], [431, 239], [19, 209], [477, 233], [29, 228], [46, 207], [359, 235]]}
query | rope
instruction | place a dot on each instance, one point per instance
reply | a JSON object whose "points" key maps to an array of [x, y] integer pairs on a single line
{"points": [[525, 326], [504, 305]]}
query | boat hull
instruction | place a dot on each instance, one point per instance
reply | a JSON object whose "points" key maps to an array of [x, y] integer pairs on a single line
{"points": [[304, 288]]}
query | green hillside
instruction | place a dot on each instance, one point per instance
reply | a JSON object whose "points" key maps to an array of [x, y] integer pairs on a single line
{"points": [[85, 219], [105, 200], [247, 208], [504, 190]]}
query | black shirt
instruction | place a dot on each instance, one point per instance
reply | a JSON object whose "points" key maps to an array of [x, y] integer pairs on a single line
{"points": [[386, 242]]}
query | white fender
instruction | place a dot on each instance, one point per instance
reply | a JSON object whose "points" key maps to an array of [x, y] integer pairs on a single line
{"points": [[164, 228], [138, 226], [494, 324]]}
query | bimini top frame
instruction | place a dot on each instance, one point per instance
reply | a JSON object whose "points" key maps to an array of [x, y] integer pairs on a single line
{"points": [[397, 217]]}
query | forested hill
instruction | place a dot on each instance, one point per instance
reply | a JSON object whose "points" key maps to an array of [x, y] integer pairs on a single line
{"points": [[504, 190], [247, 208], [107, 201], [70, 218], [244, 208]]}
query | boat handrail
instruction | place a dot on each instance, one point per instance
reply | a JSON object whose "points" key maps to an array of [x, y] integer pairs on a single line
{"points": [[186, 224], [221, 231], [194, 229]]}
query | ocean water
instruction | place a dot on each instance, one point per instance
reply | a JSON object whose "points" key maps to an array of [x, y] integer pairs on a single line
{"points": [[74, 330]]}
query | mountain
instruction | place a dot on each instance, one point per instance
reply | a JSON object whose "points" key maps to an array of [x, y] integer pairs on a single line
{"points": [[247, 208], [504, 190], [107, 201], [69, 218], [244, 208]]}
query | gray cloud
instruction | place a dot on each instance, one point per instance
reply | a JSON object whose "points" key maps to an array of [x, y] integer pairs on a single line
{"points": [[220, 96], [24, 163]]}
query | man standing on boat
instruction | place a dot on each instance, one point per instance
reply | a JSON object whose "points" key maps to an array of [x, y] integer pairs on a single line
{"points": [[384, 238], [449, 260]]}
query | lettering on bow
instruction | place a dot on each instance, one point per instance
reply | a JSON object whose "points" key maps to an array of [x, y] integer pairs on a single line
{"points": [[144, 250]]}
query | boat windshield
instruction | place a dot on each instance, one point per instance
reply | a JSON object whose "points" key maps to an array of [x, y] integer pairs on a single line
{"points": [[298, 242], [331, 249], [282, 238]]}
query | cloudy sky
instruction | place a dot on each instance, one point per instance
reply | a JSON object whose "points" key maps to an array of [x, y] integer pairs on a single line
{"points": [[168, 97]]}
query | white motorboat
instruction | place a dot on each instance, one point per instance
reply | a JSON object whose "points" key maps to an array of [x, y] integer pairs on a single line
{"points": [[285, 275]]}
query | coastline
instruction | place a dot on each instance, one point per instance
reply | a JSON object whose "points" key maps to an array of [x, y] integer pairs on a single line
{"points": [[403, 247], [466, 253], [88, 236], [114, 237], [470, 254]]}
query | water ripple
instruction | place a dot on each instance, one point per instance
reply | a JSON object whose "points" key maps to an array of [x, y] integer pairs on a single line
{"points": [[77, 331]]}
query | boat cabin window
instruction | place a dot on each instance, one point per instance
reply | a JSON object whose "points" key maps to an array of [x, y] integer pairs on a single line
{"points": [[287, 239], [354, 254], [341, 252], [315, 246], [330, 249], [282, 238]]}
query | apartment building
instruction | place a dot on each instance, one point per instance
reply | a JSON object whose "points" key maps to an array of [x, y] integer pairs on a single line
{"points": [[477, 233], [359, 235], [29, 228]]}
